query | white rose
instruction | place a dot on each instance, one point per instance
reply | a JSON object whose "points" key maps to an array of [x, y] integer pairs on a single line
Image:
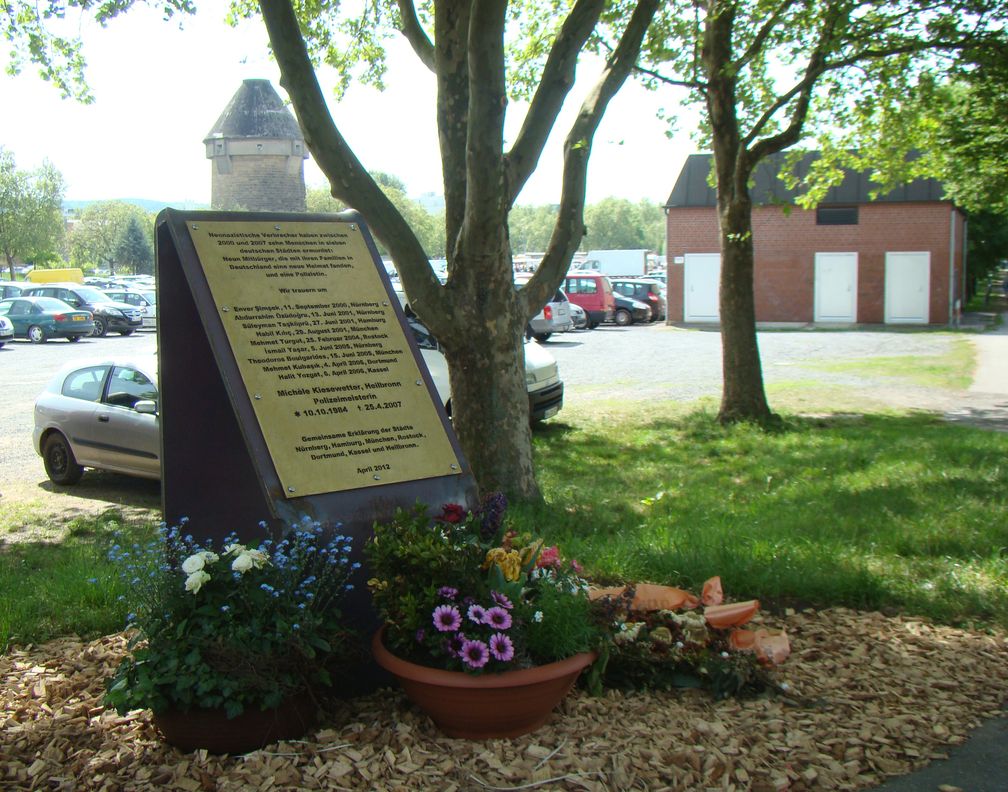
{"points": [[196, 580], [193, 563], [259, 558], [209, 557], [243, 563], [235, 548]]}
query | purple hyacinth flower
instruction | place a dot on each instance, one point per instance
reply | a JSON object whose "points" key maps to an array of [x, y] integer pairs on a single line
{"points": [[447, 592], [447, 618], [497, 617], [475, 654], [501, 647], [477, 613], [501, 600]]}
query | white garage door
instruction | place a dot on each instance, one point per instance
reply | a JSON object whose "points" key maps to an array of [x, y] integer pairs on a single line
{"points": [[701, 277], [907, 288], [835, 287]]}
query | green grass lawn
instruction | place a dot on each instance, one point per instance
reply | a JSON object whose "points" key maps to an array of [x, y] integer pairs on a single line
{"points": [[888, 510], [891, 511]]}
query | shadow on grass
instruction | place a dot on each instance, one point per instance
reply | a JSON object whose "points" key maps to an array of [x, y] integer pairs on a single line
{"points": [[112, 488]]}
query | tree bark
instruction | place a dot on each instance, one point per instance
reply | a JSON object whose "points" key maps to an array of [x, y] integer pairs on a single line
{"points": [[743, 397]]}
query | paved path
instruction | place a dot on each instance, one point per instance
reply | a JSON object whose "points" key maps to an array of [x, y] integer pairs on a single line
{"points": [[985, 404]]}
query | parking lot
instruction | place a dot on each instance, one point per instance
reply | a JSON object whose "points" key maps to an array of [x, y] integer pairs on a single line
{"points": [[637, 363]]}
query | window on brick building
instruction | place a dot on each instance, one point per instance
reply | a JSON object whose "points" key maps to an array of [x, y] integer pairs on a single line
{"points": [[836, 215]]}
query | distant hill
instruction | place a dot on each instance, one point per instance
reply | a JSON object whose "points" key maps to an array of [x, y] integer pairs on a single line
{"points": [[147, 204]]}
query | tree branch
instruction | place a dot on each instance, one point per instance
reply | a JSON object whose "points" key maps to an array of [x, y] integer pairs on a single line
{"points": [[348, 179], [415, 34], [569, 228], [485, 188], [451, 48], [554, 85], [761, 36], [695, 84], [802, 90]]}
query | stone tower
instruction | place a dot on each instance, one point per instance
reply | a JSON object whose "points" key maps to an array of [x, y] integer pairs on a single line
{"points": [[258, 153]]}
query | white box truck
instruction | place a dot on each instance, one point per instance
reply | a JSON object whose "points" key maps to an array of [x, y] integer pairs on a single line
{"points": [[632, 263]]}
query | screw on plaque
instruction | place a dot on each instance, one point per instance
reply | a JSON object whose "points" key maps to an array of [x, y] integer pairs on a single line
{"points": [[454, 467], [225, 309], [276, 228], [291, 489], [353, 226], [195, 227], [377, 477], [257, 396], [419, 382]]}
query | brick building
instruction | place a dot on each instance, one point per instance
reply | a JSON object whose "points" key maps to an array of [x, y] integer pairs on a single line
{"points": [[897, 259], [258, 153]]}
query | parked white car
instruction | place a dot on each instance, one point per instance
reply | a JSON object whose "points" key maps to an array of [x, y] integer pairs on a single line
{"points": [[145, 300]]}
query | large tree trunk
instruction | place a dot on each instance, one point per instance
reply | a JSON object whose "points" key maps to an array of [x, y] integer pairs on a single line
{"points": [[486, 361], [743, 397]]}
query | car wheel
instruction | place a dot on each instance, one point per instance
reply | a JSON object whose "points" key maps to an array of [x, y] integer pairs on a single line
{"points": [[36, 335], [100, 327], [540, 337], [623, 318], [125, 333], [73, 339], [60, 464]]}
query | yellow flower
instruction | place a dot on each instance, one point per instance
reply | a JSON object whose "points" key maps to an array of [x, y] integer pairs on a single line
{"points": [[509, 562], [531, 551], [494, 556], [377, 585], [511, 565]]}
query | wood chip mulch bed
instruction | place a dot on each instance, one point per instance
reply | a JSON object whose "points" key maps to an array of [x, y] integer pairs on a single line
{"points": [[868, 696]]}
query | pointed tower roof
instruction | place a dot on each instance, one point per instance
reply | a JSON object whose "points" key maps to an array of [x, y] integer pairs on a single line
{"points": [[256, 111]]}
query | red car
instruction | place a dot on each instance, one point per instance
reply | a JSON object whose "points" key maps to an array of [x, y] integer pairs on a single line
{"points": [[593, 293]]}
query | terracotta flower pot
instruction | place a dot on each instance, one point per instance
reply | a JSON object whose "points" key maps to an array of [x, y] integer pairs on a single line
{"points": [[254, 728], [485, 706]]}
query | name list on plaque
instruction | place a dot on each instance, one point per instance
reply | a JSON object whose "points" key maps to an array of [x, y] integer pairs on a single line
{"points": [[332, 380]]}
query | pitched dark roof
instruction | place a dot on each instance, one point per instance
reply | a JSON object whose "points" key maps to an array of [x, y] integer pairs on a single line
{"points": [[256, 111], [692, 189]]}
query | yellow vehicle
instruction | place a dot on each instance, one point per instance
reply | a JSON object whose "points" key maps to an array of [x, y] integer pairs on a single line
{"points": [[68, 275]]}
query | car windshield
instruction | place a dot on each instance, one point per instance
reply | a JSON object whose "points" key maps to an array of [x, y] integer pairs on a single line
{"points": [[88, 294]]}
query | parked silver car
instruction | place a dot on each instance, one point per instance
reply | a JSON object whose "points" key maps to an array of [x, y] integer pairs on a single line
{"points": [[553, 318], [100, 414]]}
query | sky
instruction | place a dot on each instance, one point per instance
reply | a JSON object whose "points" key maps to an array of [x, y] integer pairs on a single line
{"points": [[158, 91]]}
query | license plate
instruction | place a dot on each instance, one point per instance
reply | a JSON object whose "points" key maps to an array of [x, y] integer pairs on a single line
{"points": [[79, 317], [550, 412]]}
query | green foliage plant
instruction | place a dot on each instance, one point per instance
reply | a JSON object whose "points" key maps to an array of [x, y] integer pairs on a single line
{"points": [[242, 627], [458, 591]]}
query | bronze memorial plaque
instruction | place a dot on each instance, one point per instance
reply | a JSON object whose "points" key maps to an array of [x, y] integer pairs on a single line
{"points": [[327, 367]]}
